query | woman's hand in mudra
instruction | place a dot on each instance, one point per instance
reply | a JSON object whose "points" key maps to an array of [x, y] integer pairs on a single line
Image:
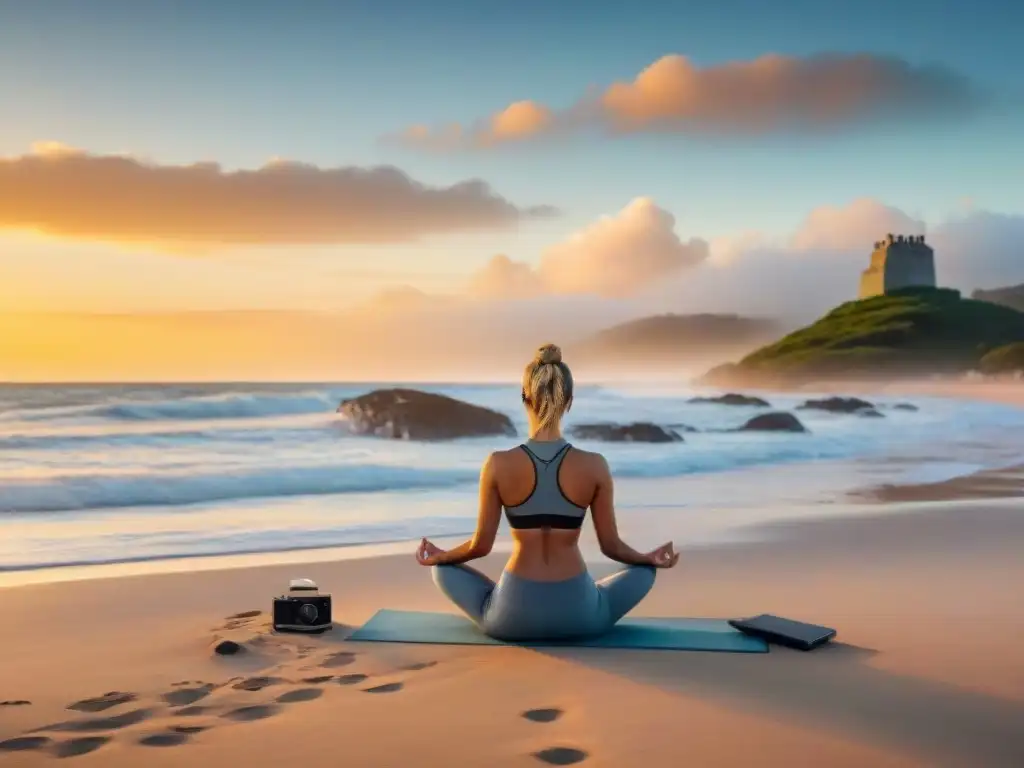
{"points": [[664, 556], [427, 553]]}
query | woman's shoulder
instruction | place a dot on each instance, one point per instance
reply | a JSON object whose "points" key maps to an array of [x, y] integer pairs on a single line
{"points": [[592, 462], [516, 453], [587, 455]]}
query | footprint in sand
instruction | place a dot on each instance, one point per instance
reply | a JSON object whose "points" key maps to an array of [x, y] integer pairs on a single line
{"points": [[386, 688], [257, 683], [168, 739], [340, 659], [191, 711], [419, 665], [108, 700], [244, 615], [318, 679], [24, 743], [112, 723], [184, 696], [355, 677], [80, 746], [190, 729], [561, 756], [240, 620], [301, 694], [249, 714], [548, 715]]}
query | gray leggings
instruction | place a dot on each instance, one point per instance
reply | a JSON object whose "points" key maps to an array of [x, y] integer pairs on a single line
{"points": [[521, 609]]}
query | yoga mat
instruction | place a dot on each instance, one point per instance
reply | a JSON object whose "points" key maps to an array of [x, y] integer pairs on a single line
{"points": [[388, 626]]}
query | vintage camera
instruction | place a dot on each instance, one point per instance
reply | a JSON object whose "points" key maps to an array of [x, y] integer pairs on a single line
{"points": [[303, 609]]}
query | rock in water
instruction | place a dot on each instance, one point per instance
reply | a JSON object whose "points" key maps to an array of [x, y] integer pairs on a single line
{"points": [[639, 432], [732, 398], [413, 415], [837, 405], [905, 407], [777, 421]]}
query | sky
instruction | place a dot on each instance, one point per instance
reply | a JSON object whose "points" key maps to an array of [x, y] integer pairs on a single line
{"points": [[463, 163]]}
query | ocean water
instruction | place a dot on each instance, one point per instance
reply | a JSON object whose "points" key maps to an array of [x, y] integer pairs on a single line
{"points": [[112, 473]]}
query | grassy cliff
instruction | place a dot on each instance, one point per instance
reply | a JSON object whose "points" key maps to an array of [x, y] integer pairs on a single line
{"points": [[911, 332]]}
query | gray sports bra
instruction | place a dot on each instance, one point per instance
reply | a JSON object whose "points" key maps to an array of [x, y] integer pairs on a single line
{"points": [[546, 506]]}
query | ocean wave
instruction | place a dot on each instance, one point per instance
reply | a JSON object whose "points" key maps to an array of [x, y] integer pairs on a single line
{"points": [[234, 405], [161, 438], [79, 492], [171, 488]]}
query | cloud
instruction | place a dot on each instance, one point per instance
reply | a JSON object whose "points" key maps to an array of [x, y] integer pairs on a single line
{"points": [[505, 278], [632, 264], [768, 95], [615, 257], [818, 266], [62, 191], [853, 226], [490, 325]]}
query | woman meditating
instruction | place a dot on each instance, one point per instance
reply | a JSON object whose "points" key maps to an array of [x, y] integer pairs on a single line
{"points": [[545, 487]]}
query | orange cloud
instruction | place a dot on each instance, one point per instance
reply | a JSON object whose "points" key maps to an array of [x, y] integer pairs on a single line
{"points": [[62, 191], [853, 226], [505, 278], [767, 95], [615, 257]]}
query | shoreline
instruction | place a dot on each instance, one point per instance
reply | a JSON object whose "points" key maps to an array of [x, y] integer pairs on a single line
{"points": [[724, 525]]}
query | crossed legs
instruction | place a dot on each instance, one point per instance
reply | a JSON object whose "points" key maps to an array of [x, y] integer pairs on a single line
{"points": [[471, 590], [466, 587], [623, 590]]}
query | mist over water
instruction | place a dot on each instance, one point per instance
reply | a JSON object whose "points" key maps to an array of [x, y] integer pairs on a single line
{"points": [[99, 473]]}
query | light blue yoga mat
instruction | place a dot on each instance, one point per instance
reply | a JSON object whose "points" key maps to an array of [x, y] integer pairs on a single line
{"points": [[655, 633]]}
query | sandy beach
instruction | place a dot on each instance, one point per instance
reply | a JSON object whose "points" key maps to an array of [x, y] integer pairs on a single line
{"points": [[928, 667]]}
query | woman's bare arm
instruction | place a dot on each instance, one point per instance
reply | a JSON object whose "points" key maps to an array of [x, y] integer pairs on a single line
{"points": [[488, 519], [602, 510]]}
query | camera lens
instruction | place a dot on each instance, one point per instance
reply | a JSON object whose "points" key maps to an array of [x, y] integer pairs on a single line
{"points": [[308, 613]]}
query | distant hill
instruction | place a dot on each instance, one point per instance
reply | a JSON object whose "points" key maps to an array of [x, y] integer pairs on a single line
{"points": [[1012, 296], [912, 332], [677, 338]]}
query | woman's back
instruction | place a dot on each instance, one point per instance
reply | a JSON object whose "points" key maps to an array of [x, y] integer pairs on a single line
{"points": [[545, 488]]}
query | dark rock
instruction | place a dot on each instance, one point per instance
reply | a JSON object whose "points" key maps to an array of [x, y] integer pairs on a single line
{"points": [[871, 413], [777, 421], [227, 648], [733, 398], [639, 432], [905, 407], [837, 405], [413, 415]]}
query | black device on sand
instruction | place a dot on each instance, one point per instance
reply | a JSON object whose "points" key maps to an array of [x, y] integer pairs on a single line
{"points": [[303, 609], [792, 634]]}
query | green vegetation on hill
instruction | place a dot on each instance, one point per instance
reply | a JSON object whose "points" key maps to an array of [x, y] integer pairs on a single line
{"points": [[1012, 296], [910, 332]]}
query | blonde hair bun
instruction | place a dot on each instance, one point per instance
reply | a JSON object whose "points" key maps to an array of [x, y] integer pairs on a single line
{"points": [[549, 354]]}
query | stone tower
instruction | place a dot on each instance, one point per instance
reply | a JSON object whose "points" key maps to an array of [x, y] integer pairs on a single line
{"points": [[899, 261]]}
